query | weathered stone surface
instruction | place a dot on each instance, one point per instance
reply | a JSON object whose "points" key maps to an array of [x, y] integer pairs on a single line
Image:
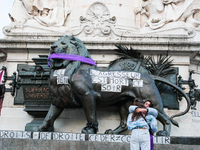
{"points": [[21, 45], [22, 144], [105, 19]]}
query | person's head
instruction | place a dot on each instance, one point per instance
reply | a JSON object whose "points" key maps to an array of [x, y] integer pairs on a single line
{"points": [[138, 102], [148, 103]]}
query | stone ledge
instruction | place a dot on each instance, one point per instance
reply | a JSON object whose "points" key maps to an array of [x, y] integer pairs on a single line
{"points": [[101, 138], [31, 144], [174, 46]]}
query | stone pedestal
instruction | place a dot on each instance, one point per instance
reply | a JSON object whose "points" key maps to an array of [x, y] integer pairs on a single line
{"points": [[101, 25]]}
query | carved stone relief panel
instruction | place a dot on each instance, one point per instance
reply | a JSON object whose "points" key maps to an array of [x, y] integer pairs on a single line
{"points": [[98, 21], [125, 20], [44, 12], [170, 15]]}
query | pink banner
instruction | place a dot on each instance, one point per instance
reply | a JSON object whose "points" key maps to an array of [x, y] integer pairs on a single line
{"points": [[71, 57], [1, 104], [1, 100], [1, 74]]}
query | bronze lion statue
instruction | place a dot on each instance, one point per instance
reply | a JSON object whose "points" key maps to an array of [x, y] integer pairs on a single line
{"points": [[75, 84]]}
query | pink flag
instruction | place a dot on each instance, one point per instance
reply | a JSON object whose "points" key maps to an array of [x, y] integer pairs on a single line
{"points": [[1, 96], [1, 74], [1, 103]]}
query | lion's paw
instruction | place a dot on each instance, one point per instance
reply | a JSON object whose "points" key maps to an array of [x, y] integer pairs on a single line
{"points": [[162, 133], [91, 128], [88, 131], [45, 127], [109, 131]]}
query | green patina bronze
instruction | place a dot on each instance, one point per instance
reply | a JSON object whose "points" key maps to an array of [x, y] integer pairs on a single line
{"points": [[81, 88], [33, 87], [70, 84]]}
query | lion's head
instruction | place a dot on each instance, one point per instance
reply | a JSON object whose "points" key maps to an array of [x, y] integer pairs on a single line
{"points": [[67, 45]]}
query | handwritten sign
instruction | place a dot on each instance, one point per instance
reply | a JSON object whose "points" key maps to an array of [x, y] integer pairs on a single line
{"points": [[45, 135], [62, 80], [117, 74], [61, 77], [161, 139], [97, 79], [111, 88], [195, 116], [15, 134], [112, 81], [137, 83], [75, 137], [109, 138], [34, 92], [68, 136], [118, 81], [59, 72]]}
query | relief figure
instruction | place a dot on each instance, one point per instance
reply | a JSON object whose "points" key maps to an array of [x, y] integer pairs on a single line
{"points": [[162, 12], [45, 12]]}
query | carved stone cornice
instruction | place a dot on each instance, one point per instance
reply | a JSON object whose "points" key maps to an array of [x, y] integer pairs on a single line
{"points": [[174, 46]]}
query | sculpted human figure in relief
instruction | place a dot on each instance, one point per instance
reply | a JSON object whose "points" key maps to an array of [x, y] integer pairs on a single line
{"points": [[161, 12], [45, 12]]}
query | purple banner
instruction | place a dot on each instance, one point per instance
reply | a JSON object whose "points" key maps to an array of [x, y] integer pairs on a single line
{"points": [[71, 57]]}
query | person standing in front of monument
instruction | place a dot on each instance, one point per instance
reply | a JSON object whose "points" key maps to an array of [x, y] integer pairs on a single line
{"points": [[138, 123], [151, 111], [147, 104]]}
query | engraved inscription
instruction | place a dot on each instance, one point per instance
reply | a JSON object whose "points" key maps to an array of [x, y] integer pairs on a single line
{"points": [[33, 92], [127, 66]]}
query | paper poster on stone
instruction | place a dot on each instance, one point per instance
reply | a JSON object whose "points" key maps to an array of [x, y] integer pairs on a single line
{"points": [[36, 135], [109, 138], [45, 135], [15, 134], [137, 83], [61, 78], [94, 72], [100, 80], [118, 81], [161, 140], [59, 72], [116, 74], [112, 81], [68, 136], [111, 88], [195, 116]]}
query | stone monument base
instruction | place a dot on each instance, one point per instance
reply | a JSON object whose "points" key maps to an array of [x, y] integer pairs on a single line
{"points": [[19, 140]]}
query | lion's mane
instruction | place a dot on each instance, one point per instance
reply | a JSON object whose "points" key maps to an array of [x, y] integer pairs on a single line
{"points": [[61, 94]]}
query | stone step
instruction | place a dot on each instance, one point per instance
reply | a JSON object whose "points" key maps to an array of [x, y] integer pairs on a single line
{"points": [[31, 144], [25, 140]]}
